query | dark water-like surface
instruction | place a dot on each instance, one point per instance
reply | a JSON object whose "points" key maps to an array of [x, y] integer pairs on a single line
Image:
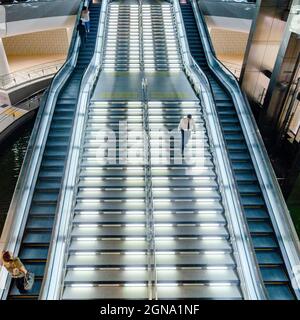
{"points": [[12, 153]]}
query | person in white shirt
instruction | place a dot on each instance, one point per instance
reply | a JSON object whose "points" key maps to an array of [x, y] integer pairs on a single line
{"points": [[85, 17], [186, 126]]}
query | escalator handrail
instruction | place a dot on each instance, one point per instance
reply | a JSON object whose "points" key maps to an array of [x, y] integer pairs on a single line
{"points": [[211, 45], [284, 228], [57, 257], [19, 207], [150, 225], [252, 283]]}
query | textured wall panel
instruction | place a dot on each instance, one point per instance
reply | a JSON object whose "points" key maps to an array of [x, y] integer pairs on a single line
{"points": [[37, 43]]}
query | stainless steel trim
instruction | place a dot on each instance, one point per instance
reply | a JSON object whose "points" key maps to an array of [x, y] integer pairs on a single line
{"points": [[52, 287], [279, 213], [248, 270], [12, 234]]}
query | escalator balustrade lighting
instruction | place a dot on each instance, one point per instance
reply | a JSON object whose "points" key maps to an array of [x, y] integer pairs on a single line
{"points": [[167, 284], [216, 268], [267, 249], [82, 285], [214, 252], [117, 245], [36, 239], [87, 239], [134, 212], [212, 238], [135, 253], [82, 253], [135, 285]]}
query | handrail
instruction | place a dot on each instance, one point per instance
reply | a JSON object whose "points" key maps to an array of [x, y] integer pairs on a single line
{"points": [[152, 269], [17, 78], [55, 268], [12, 234], [150, 225], [248, 269], [234, 68], [27, 104], [277, 208], [22, 106]]}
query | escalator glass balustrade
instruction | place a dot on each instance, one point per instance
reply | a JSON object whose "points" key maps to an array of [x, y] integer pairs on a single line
{"points": [[38, 230], [147, 226], [268, 254], [147, 222]]}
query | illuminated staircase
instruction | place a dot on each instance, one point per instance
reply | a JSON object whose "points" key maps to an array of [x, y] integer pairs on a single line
{"points": [[152, 227]]}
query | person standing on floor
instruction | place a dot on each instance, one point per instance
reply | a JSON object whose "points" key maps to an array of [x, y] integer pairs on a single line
{"points": [[186, 126], [82, 32], [85, 17]]}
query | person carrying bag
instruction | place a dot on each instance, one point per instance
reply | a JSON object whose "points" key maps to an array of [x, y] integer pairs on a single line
{"points": [[24, 280]]}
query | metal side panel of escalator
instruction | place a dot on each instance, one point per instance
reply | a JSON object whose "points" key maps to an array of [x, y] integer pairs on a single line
{"points": [[38, 230], [117, 249], [268, 253]]}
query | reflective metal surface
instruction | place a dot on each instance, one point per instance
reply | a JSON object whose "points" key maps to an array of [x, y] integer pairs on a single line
{"points": [[11, 238], [279, 215]]}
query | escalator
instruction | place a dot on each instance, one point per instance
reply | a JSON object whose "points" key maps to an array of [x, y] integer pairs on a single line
{"points": [[146, 226], [192, 249], [193, 244], [38, 230], [268, 253]]}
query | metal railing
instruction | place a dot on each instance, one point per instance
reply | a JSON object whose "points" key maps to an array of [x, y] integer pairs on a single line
{"points": [[11, 113], [244, 254], [12, 234], [25, 76], [277, 208], [58, 252], [152, 283], [234, 68], [151, 250], [32, 102]]}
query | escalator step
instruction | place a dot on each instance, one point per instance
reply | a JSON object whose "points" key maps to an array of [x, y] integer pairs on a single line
{"points": [[255, 213], [269, 257], [279, 292], [260, 227], [36, 253], [262, 233], [273, 274], [37, 237], [264, 242]]}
